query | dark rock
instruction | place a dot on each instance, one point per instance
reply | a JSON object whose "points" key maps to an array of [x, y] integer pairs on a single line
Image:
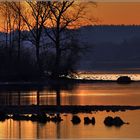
{"points": [[87, 120], [124, 80], [93, 120], [118, 121], [76, 120], [108, 121]]}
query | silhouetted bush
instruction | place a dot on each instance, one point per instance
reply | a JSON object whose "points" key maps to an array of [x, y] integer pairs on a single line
{"points": [[3, 116], [56, 119], [12, 69], [20, 117]]}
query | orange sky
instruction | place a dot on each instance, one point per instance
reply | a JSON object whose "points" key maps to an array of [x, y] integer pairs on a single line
{"points": [[111, 13], [117, 13]]}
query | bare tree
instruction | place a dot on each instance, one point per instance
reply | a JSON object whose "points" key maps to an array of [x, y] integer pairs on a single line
{"points": [[17, 8], [40, 12], [53, 17], [64, 14], [9, 24], [18, 21], [35, 18], [4, 15]]}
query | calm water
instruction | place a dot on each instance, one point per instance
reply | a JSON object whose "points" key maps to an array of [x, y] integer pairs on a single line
{"points": [[65, 129], [80, 94]]}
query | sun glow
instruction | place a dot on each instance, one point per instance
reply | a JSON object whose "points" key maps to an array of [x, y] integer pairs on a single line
{"points": [[97, 13]]}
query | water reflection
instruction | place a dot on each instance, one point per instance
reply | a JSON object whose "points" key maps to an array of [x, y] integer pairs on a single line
{"points": [[65, 129], [75, 94], [27, 129]]}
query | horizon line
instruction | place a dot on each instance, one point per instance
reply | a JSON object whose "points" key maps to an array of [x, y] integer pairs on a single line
{"points": [[123, 25]]}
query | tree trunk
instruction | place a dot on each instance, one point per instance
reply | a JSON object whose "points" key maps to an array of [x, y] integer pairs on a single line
{"points": [[57, 63], [19, 35], [19, 38], [6, 35], [56, 71], [39, 65], [10, 44]]}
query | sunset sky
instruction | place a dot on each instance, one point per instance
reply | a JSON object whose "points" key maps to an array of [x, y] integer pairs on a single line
{"points": [[127, 13], [117, 13]]}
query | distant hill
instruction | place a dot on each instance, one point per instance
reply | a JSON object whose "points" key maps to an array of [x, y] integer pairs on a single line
{"points": [[112, 48], [106, 33]]}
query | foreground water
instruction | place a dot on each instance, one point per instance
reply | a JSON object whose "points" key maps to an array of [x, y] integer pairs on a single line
{"points": [[79, 94], [65, 129]]}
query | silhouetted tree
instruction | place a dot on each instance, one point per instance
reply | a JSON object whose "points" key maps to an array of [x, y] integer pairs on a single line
{"points": [[9, 22], [35, 17], [56, 19], [17, 9], [63, 15]]}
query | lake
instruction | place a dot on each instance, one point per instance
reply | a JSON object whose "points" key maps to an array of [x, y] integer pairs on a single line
{"points": [[78, 94]]}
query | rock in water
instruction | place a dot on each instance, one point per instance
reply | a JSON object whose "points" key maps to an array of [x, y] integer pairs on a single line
{"points": [[108, 121], [56, 119], [76, 120], [93, 120], [118, 121], [124, 80], [87, 120]]}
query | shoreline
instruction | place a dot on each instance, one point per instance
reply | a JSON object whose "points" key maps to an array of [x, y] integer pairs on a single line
{"points": [[52, 83], [74, 109], [61, 80]]}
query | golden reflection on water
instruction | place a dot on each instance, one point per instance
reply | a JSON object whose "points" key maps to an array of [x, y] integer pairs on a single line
{"points": [[82, 94], [101, 94], [65, 129], [107, 94]]}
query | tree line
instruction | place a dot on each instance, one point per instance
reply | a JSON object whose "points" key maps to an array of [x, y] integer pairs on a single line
{"points": [[50, 27]]}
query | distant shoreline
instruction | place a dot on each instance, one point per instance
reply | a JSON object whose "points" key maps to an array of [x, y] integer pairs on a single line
{"points": [[40, 84], [51, 80]]}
